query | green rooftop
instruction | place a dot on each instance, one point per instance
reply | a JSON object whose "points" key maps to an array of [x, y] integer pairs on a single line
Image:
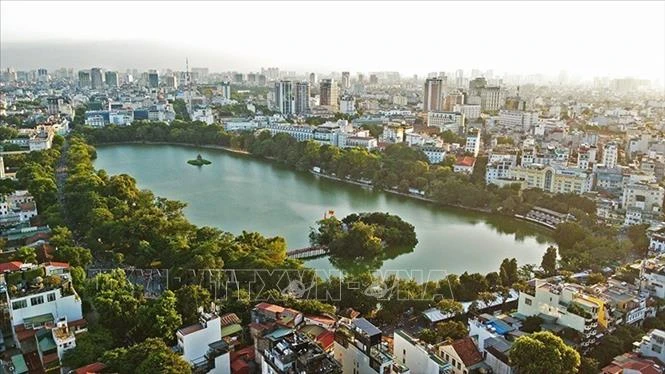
{"points": [[39, 320], [231, 329], [18, 362]]}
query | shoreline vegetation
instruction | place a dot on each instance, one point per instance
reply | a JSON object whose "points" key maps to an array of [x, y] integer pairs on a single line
{"points": [[398, 167]]}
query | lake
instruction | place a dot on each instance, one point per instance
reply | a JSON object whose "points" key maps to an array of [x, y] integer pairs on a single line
{"points": [[238, 192]]}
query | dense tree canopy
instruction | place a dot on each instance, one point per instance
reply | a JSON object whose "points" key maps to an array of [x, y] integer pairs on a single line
{"points": [[543, 353]]}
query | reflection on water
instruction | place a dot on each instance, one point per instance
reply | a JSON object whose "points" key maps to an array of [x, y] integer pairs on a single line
{"points": [[238, 192]]}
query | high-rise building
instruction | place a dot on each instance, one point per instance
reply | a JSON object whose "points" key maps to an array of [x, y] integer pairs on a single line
{"points": [[610, 155], [284, 97], [346, 80], [170, 81], [111, 79], [476, 85], [433, 95], [42, 75], [312, 79], [373, 79], [361, 78], [96, 78], [328, 95], [302, 97], [347, 104], [84, 78], [491, 98], [153, 79], [226, 90]]}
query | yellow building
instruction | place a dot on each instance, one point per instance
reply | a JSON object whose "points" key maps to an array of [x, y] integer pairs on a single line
{"points": [[554, 178]]}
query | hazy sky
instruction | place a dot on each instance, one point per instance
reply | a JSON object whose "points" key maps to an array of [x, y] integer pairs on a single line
{"points": [[591, 39]]}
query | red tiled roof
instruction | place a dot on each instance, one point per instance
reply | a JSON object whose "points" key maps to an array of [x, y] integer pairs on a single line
{"points": [[467, 351], [270, 307], [239, 366], [63, 265], [326, 340], [322, 319], [229, 319], [47, 359], [632, 361], [247, 353], [94, 368], [465, 161], [77, 323], [25, 334], [10, 266]]}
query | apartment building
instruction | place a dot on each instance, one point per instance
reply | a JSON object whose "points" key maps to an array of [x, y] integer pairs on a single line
{"points": [[419, 357], [359, 349], [566, 305], [44, 310], [554, 178], [446, 121]]}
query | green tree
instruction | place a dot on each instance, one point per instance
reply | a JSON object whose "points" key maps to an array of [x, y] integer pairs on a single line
{"points": [[26, 254], [567, 234], [189, 299], [448, 306], [428, 336], [532, 324], [90, 346], [508, 272], [149, 356], [637, 234], [159, 318], [549, 261], [451, 330], [543, 353]]}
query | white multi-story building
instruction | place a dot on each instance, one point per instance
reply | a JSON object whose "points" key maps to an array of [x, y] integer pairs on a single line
{"points": [[451, 121], [470, 111], [347, 104], [473, 143], [302, 97], [517, 119], [203, 114], [359, 349], [652, 345], [43, 308], [499, 166], [586, 156], [646, 197], [610, 155], [193, 341], [566, 304], [417, 356], [284, 97], [434, 154], [17, 207]]}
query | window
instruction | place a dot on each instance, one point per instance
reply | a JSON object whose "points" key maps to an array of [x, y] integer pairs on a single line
{"points": [[20, 304], [528, 301], [656, 348], [50, 297], [37, 300]]}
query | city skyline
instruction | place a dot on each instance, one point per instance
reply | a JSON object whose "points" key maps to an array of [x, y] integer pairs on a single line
{"points": [[508, 37]]}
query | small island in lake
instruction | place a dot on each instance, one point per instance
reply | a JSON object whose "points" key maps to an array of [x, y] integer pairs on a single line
{"points": [[199, 161], [364, 236]]}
